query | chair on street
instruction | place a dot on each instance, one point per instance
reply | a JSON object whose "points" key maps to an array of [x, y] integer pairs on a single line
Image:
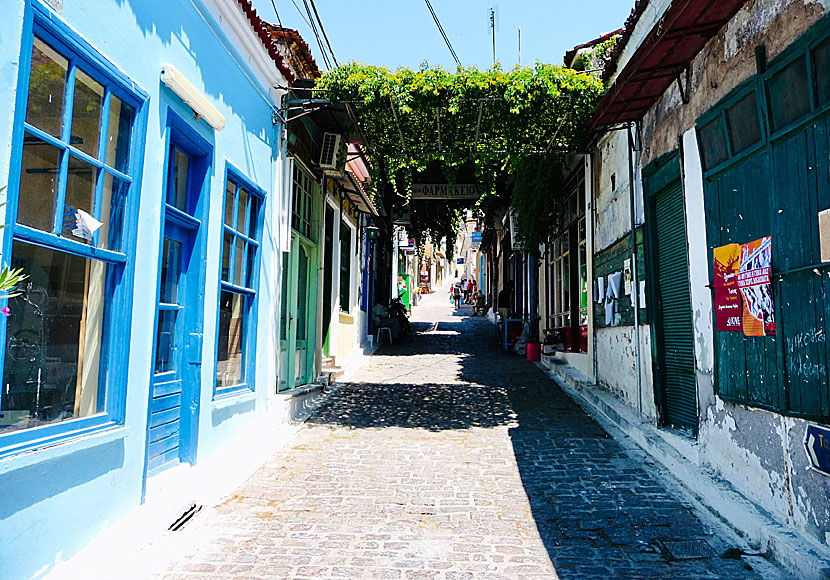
{"points": [[385, 330]]}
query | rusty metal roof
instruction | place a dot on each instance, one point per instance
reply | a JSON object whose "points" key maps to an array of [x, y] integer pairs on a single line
{"points": [[682, 32]]}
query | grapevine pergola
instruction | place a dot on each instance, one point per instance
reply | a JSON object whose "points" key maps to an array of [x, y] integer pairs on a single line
{"points": [[507, 131]]}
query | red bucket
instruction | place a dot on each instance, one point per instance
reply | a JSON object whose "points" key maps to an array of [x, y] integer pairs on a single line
{"points": [[534, 351]]}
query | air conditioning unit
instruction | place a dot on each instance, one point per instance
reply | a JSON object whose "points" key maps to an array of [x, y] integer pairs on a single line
{"points": [[333, 153]]}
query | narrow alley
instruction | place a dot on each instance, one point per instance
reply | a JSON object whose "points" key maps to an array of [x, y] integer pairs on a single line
{"points": [[445, 458]]}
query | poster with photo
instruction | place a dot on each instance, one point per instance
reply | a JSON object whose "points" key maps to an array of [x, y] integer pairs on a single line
{"points": [[727, 299], [754, 281]]}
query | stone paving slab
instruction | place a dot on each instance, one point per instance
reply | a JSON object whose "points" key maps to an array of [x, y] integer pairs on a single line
{"points": [[447, 459]]}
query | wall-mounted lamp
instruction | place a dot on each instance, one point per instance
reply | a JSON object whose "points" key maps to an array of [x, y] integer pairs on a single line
{"points": [[178, 83]]}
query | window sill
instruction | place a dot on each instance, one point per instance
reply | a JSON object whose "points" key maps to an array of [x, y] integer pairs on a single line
{"points": [[33, 454], [233, 396]]}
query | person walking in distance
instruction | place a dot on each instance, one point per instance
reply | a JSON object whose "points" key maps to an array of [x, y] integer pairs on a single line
{"points": [[505, 300], [456, 295]]}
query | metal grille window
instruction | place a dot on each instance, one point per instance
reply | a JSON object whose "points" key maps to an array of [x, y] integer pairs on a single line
{"points": [[69, 203], [304, 190], [240, 269]]}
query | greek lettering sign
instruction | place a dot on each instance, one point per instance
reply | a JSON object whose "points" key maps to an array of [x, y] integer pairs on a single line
{"points": [[444, 191], [817, 443], [754, 283], [475, 241], [727, 299]]}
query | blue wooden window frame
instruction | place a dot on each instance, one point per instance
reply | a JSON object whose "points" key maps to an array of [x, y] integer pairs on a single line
{"points": [[247, 286], [42, 23]]}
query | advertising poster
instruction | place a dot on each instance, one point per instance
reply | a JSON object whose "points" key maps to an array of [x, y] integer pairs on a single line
{"points": [[727, 300], [754, 280]]}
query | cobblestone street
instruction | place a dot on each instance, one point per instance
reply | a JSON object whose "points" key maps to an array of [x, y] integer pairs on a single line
{"points": [[446, 459]]}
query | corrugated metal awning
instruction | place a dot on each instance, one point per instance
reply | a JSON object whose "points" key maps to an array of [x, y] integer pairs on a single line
{"points": [[662, 58]]}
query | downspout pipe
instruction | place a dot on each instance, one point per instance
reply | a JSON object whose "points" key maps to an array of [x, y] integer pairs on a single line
{"points": [[635, 288]]}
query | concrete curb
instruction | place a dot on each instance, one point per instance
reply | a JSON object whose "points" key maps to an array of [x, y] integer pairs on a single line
{"points": [[799, 556]]}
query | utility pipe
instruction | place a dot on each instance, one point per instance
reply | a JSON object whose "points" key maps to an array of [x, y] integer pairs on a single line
{"points": [[635, 288]]}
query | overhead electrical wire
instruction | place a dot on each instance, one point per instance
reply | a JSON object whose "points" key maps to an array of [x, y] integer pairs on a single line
{"points": [[317, 35], [323, 30], [277, 12], [444, 34]]}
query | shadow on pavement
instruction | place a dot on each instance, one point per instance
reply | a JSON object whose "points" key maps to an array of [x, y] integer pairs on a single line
{"points": [[598, 511]]}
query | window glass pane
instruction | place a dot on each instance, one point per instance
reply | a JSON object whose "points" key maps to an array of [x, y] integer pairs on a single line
{"points": [[47, 85], [242, 219], [170, 270], [744, 127], [119, 132], [38, 176], [113, 207], [230, 369], [166, 341], [239, 255], [80, 194], [713, 143], [250, 265], [789, 97], [86, 113], [230, 193], [54, 339], [177, 196], [227, 252], [253, 216]]}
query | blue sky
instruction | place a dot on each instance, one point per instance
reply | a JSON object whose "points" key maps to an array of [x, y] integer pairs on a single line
{"points": [[399, 33]]}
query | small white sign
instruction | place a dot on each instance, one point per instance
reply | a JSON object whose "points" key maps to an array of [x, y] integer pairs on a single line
{"points": [[85, 225]]}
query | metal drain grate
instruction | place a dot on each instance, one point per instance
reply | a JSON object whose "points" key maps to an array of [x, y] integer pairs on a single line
{"points": [[689, 549]]}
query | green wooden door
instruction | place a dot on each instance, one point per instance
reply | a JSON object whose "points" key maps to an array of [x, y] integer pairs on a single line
{"points": [[298, 317], [675, 339]]}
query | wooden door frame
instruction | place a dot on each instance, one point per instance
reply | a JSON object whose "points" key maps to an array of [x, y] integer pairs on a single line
{"points": [[658, 176]]}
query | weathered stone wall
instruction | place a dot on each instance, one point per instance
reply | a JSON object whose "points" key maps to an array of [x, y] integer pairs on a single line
{"points": [[724, 63], [760, 452]]}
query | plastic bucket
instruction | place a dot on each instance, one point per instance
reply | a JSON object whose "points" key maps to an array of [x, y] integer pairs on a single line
{"points": [[533, 351]]}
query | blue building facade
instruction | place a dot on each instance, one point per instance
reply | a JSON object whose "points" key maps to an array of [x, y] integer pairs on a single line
{"points": [[142, 155]]}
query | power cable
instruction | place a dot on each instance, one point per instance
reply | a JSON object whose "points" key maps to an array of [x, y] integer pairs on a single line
{"points": [[444, 34], [317, 35], [277, 12], [300, 10], [323, 30]]}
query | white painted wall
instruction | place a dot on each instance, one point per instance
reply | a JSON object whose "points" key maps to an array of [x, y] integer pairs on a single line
{"points": [[617, 366]]}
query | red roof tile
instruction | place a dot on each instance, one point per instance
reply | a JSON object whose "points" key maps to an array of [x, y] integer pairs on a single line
{"points": [[261, 30]]}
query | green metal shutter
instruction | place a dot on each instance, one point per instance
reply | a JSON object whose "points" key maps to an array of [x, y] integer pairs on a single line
{"points": [[676, 347]]}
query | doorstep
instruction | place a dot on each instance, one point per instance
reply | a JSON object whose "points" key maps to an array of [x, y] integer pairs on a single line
{"points": [[715, 498]]}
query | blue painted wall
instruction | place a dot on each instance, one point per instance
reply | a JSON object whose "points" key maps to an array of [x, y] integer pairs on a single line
{"points": [[55, 500]]}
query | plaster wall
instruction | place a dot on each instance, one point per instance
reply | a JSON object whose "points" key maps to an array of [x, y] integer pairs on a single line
{"points": [[616, 352], [612, 196], [85, 485], [724, 63], [760, 452]]}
